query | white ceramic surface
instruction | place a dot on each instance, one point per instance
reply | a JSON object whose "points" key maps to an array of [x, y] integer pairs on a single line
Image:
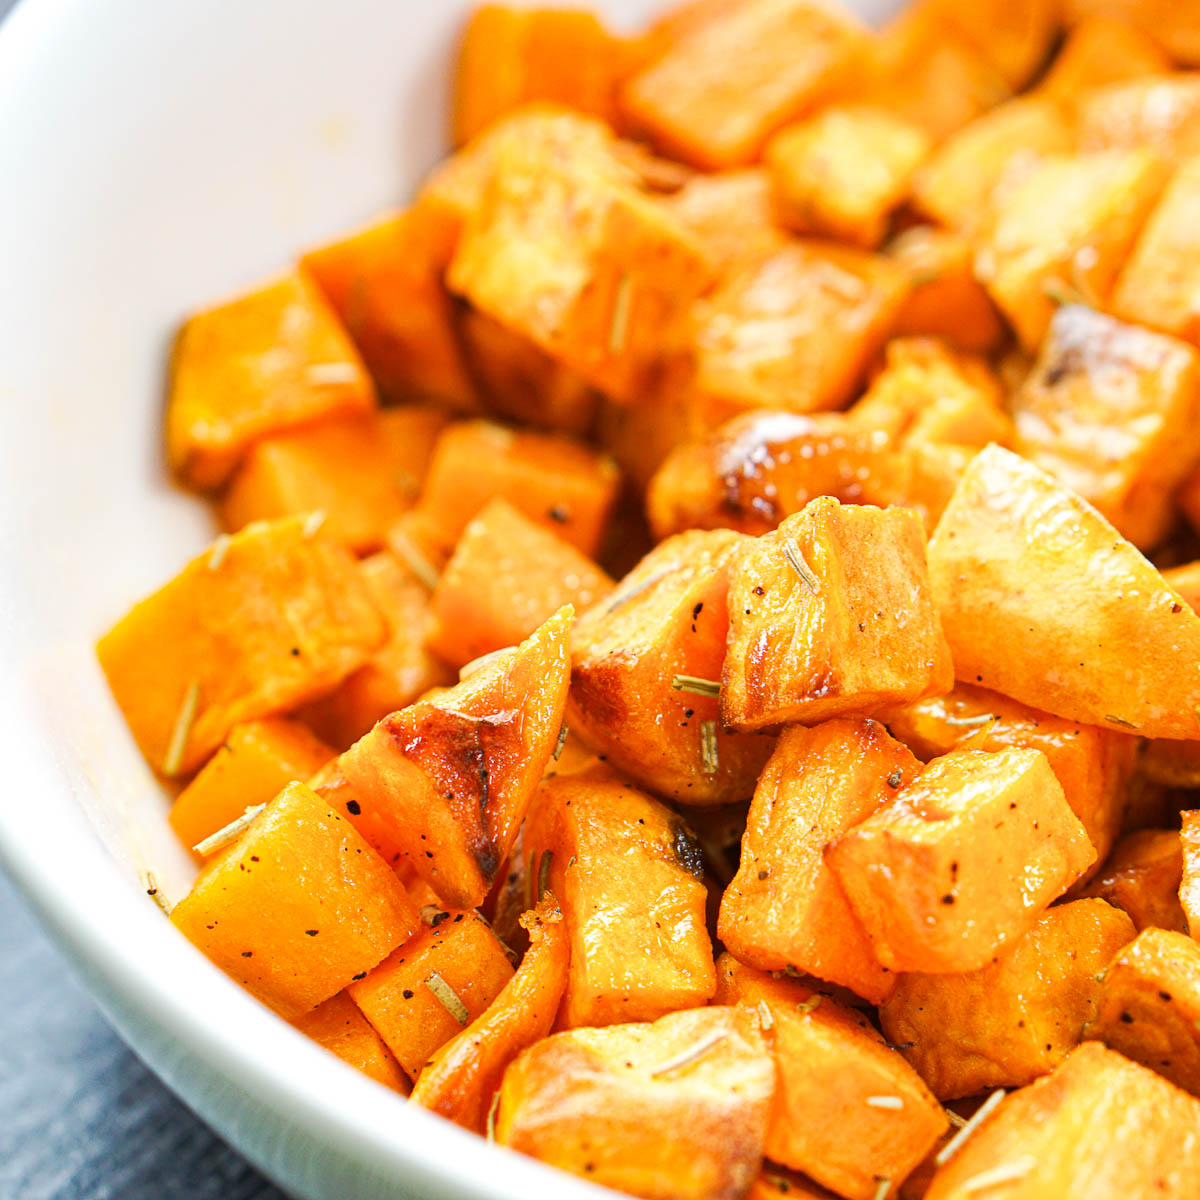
{"points": [[153, 156]]}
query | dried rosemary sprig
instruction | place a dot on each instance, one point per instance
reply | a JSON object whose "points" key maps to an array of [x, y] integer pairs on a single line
{"points": [[1003, 1173], [618, 329], [482, 661], [981, 1114], [312, 523], [419, 566], [562, 741], [709, 755], [893, 1102], [227, 834], [696, 685], [447, 997], [216, 556], [796, 560], [330, 372], [692, 1054], [182, 730]]}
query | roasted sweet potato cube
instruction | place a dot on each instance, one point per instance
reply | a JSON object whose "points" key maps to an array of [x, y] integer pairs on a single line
{"points": [[567, 250], [297, 906], [842, 171], [555, 481], [450, 777], [1142, 877], [336, 467], [1025, 573], [433, 986], [264, 362], [1015, 36], [1099, 50], [1093, 765], [731, 213], [728, 83], [385, 283], [784, 907], [507, 575], [1016, 1018], [628, 874], [463, 1076], [1113, 411], [1067, 224], [794, 329], [1172, 25], [340, 1027], [944, 298], [1149, 1006], [1160, 112], [1157, 286], [955, 185], [759, 468], [254, 763], [929, 392], [509, 56], [831, 615], [1099, 1127], [408, 434], [674, 1110], [962, 861], [646, 668], [849, 1111], [641, 436], [259, 623], [1189, 883], [400, 672]]}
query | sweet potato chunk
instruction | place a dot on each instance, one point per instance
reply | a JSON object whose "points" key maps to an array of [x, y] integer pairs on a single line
{"points": [[1015, 1019], [408, 434], [433, 986], [338, 467], [1015, 36], [1142, 876], [731, 213], [509, 56], [1160, 112], [841, 172], [944, 299], [1092, 764], [1189, 884], [1172, 25], [794, 329], [1157, 285], [553, 480], [674, 1110], [1149, 1006], [385, 283], [451, 776], [1098, 1127], [962, 861], [1025, 573], [1101, 49], [785, 908], [628, 875], [298, 906], [834, 1071], [955, 185], [1067, 223], [462, 1076], [1113, 411], [256, 365], [257, 624], [757, 469], [254, 763], [729, 82], [646, 667], [398, 673], [831, 615], [340, 1027], [567, 250], [507, 575]]}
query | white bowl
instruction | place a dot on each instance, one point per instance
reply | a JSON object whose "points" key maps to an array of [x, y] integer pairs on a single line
{"points": [[154, 156]]}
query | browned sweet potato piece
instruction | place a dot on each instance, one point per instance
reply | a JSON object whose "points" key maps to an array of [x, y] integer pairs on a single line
{"points": [[434, 985], [1150, 1006], [728, 82], [1098, 1127], [1093, 765], [1015, 36], [257, 624], [1160, 112], [962, 861], [1025, 573], [340, 1027], [646, 665], [831, 615], [834, 1070], [1113, 410], [1189, 884], [628, 873], [450, 777], [1142, 876], [1101, 49], [408, 434], [1171, 23], [462, 1076], [784, 907], [1015, 1019], [676, 1110]]}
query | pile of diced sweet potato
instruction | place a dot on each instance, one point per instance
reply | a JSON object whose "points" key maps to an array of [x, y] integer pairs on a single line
{"points": [[701, 683]]}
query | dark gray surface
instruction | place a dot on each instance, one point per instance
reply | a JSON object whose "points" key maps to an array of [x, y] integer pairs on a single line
{"points": [[80, 1117]]}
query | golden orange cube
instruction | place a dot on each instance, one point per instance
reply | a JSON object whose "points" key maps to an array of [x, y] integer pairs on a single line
{"points": [[1101, 49], [1142, 877], [339, 1026]]}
